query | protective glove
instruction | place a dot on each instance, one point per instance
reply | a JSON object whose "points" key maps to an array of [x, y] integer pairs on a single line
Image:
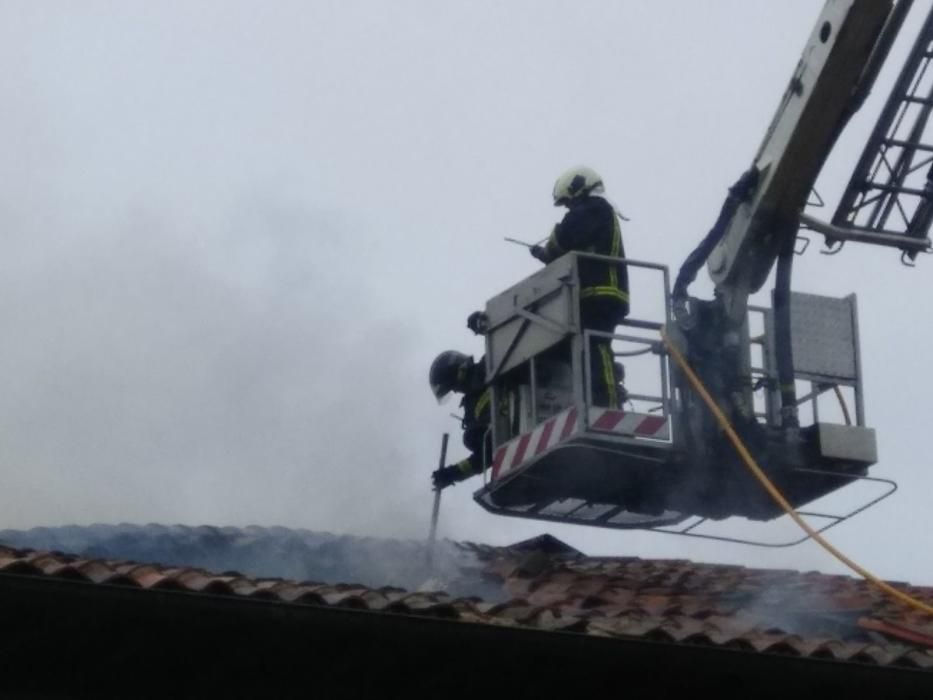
{"points": [[539, 252], [478, 322], [446, 476]]}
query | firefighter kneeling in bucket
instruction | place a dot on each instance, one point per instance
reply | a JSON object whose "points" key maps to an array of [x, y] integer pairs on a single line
{"points": [[453, 371]]}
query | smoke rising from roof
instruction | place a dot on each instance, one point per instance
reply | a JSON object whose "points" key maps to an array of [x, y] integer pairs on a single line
{"points": [[220, 372], [276, 552]]}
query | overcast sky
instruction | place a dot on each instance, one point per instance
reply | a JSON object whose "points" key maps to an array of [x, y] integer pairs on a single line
{"points": [[234, 235]]}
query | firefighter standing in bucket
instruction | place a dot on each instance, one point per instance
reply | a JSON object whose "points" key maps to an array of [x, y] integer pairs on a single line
{"points": [[591, 225], [454, 372]]}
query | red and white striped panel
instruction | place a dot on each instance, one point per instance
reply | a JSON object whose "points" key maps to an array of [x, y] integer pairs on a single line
{"points": [[565, 425], [631, 424], [525, 447]]}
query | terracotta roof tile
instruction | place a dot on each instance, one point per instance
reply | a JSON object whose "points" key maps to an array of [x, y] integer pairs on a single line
{"points": [[512, 610], [306, 595], [168, 583], [335, 597], [201, 581], [59, 569], [17, 566], [98, 572], [915, 659], [909, 629], [142, 576]]}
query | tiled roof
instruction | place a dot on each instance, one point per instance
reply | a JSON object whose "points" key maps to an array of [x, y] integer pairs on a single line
{"points": [[552, 587], [787, 612]]}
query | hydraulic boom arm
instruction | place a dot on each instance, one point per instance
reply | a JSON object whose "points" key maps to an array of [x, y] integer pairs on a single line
{"points": [[849, 42]]}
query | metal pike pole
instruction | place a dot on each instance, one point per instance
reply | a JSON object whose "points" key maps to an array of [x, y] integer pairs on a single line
{"points": [[437, 503]]}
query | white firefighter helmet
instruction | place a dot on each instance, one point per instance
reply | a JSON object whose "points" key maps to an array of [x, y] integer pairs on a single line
{"points": [[576, 182]]}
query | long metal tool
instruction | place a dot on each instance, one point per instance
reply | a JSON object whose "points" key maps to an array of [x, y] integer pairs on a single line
{"points": [[437, 503], [515, 240]]}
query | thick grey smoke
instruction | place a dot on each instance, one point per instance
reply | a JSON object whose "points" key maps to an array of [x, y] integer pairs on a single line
{"points": [[228, 373], [277, 552]]}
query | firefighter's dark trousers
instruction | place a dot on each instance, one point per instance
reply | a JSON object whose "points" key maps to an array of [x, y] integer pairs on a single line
{"points": [[602, 315]]}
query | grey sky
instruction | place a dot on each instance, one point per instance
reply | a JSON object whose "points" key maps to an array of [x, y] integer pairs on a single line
{"points": [[236, 233]]}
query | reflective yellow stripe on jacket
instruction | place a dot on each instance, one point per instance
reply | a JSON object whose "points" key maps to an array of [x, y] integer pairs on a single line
{"points": [[614, 292], [482, 404], [612, 289], [607, 362]]}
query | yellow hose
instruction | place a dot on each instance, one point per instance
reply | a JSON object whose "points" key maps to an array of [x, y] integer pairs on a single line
{"points": [[775, 494]]}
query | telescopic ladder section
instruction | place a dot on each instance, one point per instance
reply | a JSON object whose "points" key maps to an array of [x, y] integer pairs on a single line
{"points": [[889, 198]]}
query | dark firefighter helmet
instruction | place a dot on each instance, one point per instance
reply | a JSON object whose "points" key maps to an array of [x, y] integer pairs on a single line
{"points": [[448, 373]]}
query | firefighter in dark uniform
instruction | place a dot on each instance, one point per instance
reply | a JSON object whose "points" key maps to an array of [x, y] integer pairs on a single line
{"points": [[453, 371], [591, 225]]}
